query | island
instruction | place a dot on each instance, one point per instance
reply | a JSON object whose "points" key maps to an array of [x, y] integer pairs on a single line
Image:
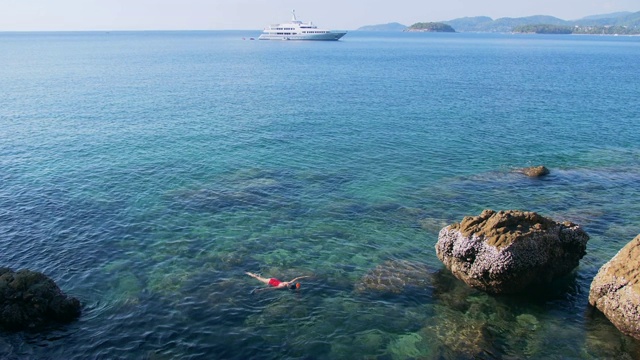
{"points": [[430, 27]]}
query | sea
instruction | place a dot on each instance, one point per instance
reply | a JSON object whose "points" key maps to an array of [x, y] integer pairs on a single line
{"points": [[146, 172]]}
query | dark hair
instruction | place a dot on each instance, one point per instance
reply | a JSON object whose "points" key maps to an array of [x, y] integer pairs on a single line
{"points": [[292, 286]]}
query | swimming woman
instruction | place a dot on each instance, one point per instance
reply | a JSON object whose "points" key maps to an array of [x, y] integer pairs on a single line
{"points": [[277, 284]]}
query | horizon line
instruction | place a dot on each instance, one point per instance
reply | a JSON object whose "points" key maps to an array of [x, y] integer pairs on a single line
{"points": [[354, 29]]}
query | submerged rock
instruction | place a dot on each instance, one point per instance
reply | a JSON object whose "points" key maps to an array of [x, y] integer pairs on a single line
{"points": [[616, 289], [406, 346], [534, 171], [457, 335], [29, 299], [216, 200], [394, 276], [509, 251]]}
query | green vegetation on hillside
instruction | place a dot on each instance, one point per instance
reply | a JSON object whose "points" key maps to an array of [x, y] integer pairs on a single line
{"points": [[486, 24], [606, 30], [592, 30], [543, 29], [430, 27]]}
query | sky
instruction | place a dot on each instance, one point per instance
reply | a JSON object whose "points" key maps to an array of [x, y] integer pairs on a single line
{"points": [[65, 15]]}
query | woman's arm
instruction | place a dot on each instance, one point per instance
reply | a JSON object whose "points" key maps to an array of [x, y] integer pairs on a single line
{"points": [[298, 278]]}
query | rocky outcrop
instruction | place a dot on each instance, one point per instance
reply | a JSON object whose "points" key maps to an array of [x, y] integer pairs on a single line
{"points": [[430, 27], [29, 300], [509, 251], [616, 289], [534, 171]]}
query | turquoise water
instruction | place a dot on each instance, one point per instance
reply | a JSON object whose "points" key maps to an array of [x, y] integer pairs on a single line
{"points": [[146, 171]]}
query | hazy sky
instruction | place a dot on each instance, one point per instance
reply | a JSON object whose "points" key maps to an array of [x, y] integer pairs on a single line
{"points": [[25, 15]]}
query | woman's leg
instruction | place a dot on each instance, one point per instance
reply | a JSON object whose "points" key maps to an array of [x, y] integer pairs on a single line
{"points": [[257, 277]]}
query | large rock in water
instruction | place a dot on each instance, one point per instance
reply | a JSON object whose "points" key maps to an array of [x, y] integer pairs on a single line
{"points": [[509, 251], [616, 289], [29, 300]]}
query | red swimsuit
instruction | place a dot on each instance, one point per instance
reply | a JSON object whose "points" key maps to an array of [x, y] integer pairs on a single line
{"points": [[274, 282]]}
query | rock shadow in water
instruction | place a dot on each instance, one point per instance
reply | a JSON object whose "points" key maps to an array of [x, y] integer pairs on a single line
{"points": [[604, 341]]}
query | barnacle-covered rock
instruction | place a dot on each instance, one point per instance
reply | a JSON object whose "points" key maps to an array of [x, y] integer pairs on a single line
{"points": [[616, 289], [508, 251]]}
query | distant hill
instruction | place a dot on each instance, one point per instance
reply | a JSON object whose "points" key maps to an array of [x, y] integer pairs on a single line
{"points": [[394, 26], [487, 24], [477, 23], [605, 16], [617, 19], [614, 23]]}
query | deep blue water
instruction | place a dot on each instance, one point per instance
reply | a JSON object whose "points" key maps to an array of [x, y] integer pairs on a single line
{"points": [[146, 171]]}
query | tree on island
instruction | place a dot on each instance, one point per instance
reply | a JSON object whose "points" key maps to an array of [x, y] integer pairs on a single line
{"points": [[430, 27], [543, 29], [606, 30]]}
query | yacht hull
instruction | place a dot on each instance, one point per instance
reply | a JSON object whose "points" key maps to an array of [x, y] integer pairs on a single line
{"points": [[333, 36]]}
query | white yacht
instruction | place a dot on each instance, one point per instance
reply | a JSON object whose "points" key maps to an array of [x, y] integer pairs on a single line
{"points": [[297, 30]]}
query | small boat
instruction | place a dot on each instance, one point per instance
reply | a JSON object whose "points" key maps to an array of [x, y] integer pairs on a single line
{"points": [[297, 30]]}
